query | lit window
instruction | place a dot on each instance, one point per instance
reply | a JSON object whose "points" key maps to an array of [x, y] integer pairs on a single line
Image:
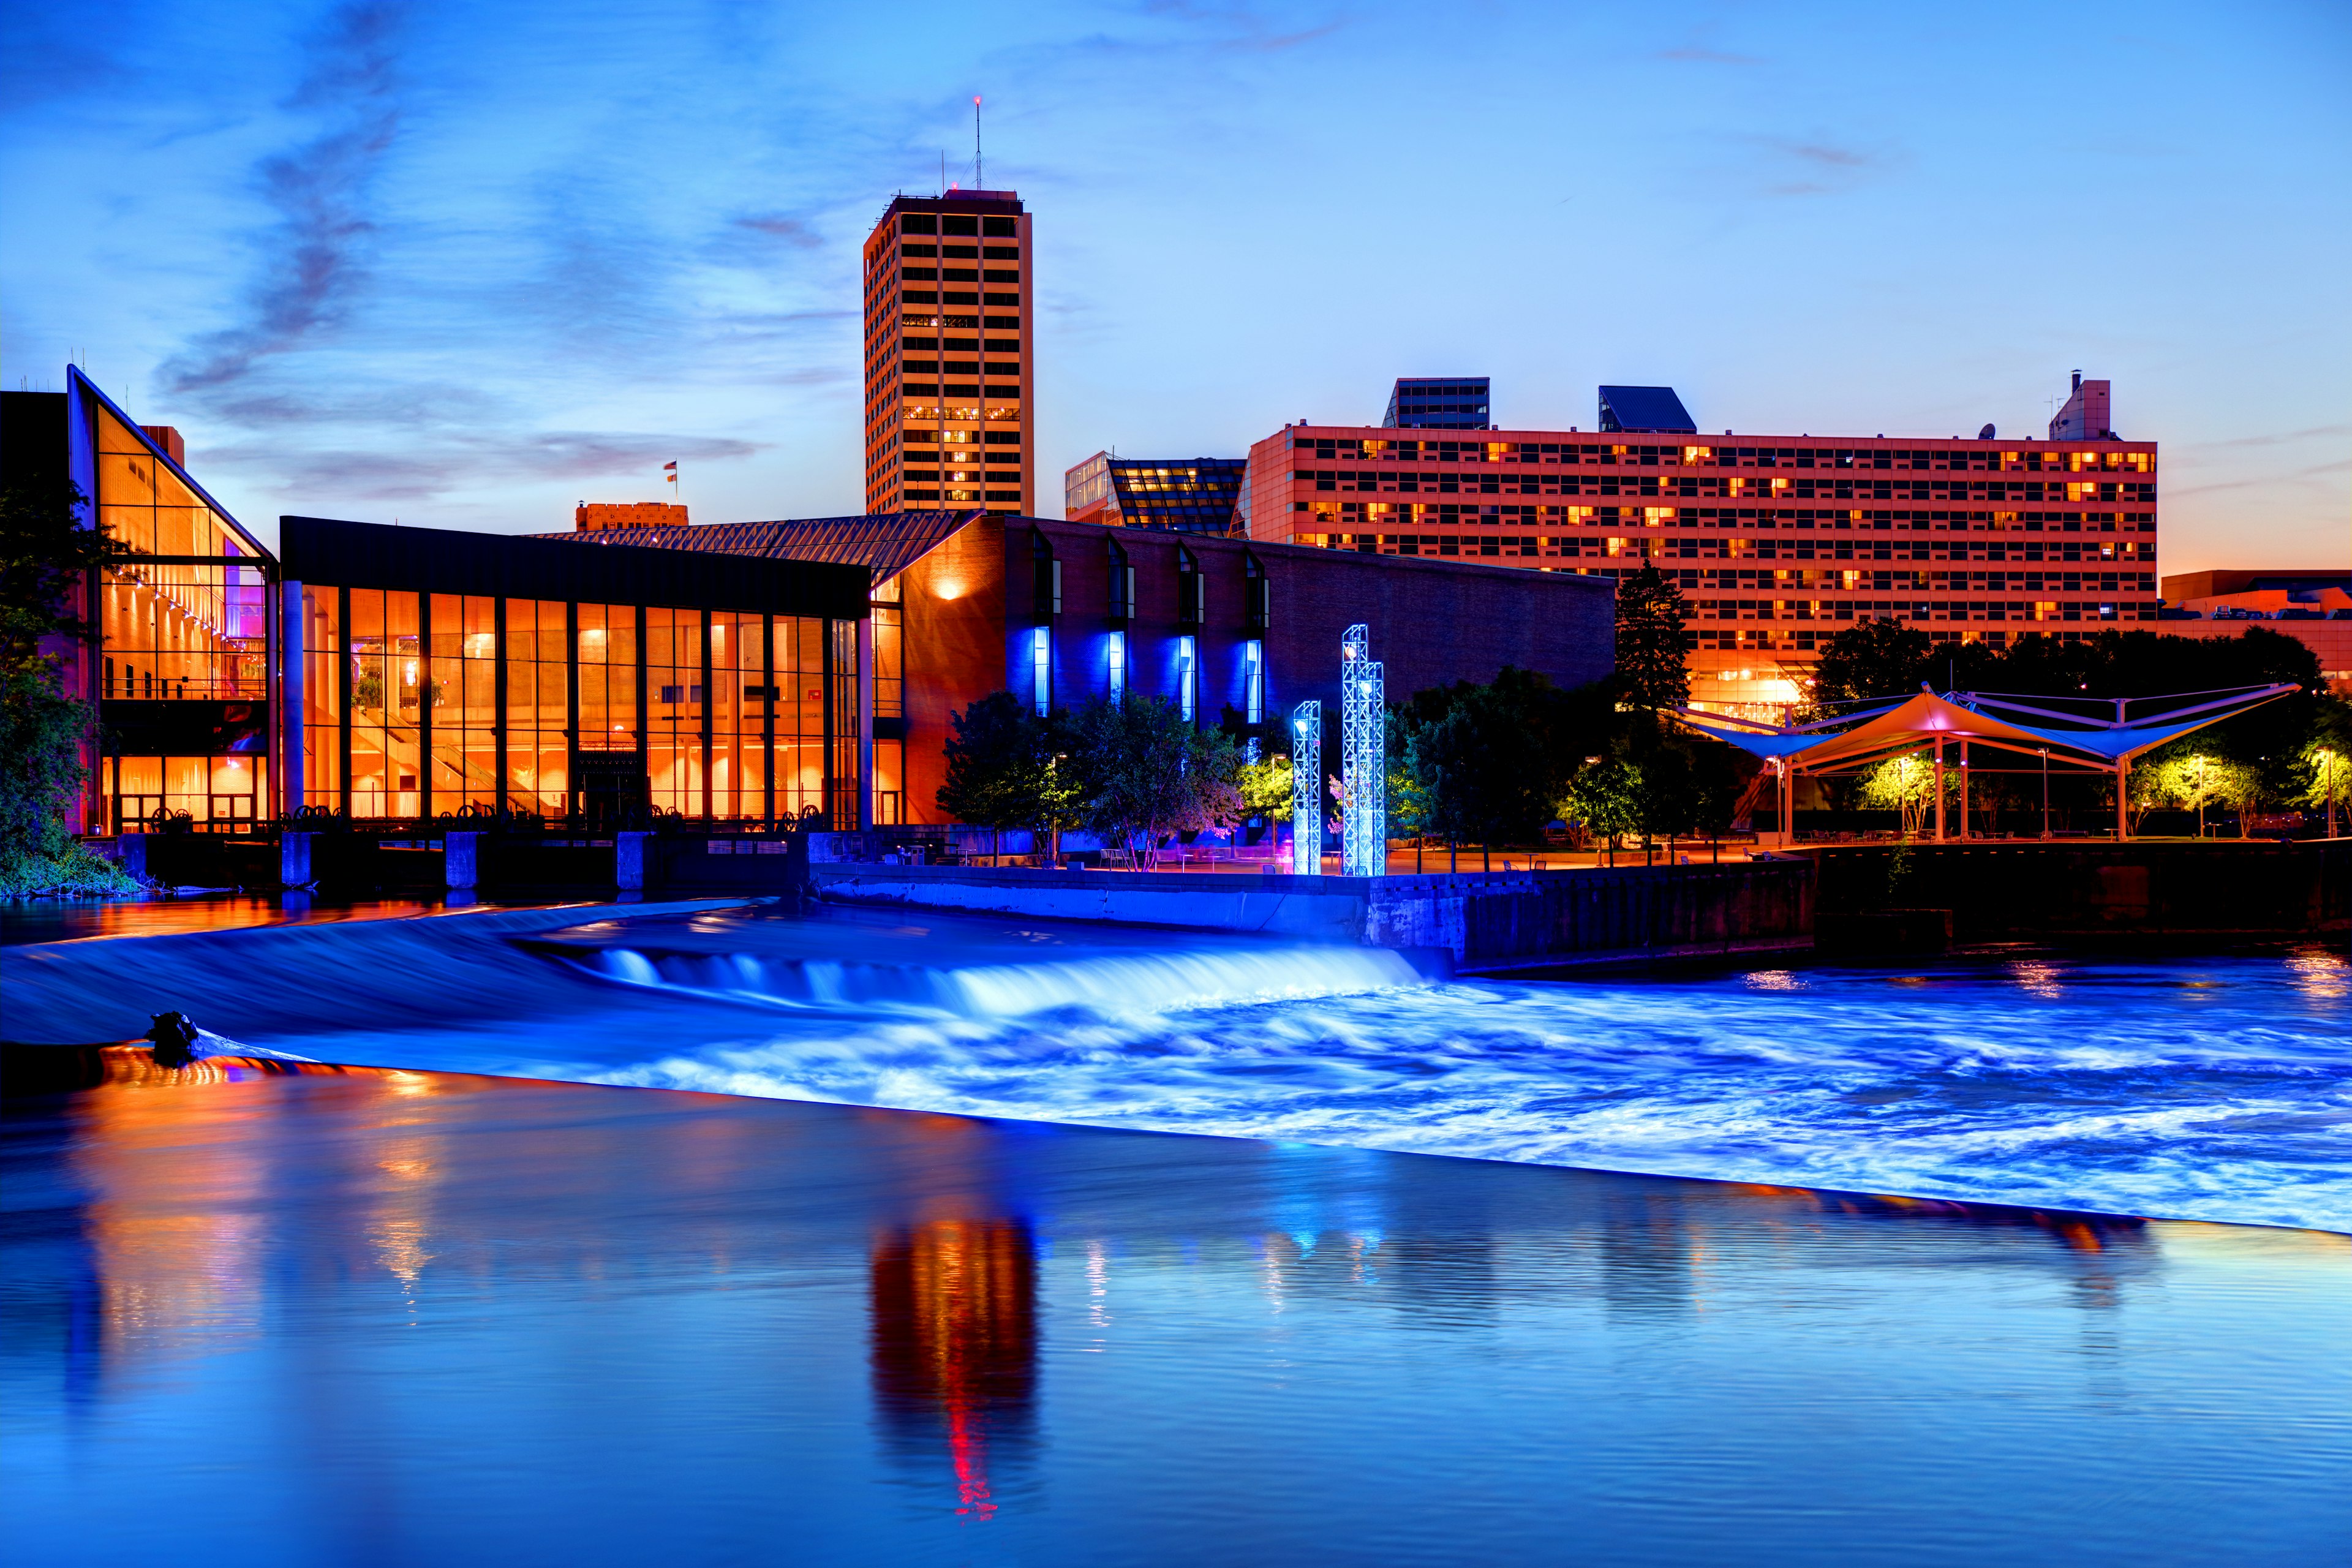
{"points": [[1187, 682], [1254, 675], [1118, 666], [1042, 662]]}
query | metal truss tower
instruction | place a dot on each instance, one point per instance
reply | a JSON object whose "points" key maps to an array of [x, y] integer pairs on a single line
{"points": [[1306, 790], [1363, 759]]}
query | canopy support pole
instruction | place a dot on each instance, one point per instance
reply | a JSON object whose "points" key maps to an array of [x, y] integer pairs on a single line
{"points": [[2123, 797], [1938, 784], [1964, 792]]}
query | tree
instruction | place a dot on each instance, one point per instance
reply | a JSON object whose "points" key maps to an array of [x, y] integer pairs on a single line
{"points": [[1876, 657], [44, 555], [1143, 773], [1486, 763], [1905, 784], [1000, 767], [1605, 796], [1652, 650], [1266, 788]]}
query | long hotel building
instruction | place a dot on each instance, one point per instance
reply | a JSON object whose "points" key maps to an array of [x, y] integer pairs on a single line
{"points": [[948, 332], [1778, 542]]}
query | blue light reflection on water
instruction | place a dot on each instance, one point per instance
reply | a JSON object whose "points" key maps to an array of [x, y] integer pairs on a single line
{"points": [[2216, 1088], [409, 1318]]}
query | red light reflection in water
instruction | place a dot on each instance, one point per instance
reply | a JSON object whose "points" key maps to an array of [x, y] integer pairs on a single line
{"points": [[955, 1340]]}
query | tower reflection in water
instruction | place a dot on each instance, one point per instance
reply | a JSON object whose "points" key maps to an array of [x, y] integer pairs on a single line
{"points": [[955, 1349]]}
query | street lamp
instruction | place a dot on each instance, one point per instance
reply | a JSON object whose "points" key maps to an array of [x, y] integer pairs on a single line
{"points": [[2327, 786], [2045, 792]]}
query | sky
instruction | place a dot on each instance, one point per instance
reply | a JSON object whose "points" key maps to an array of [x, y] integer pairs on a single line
{"points": [[463, 266]]}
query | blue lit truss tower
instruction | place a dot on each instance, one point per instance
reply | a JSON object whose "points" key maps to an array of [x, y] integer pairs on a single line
{"points": [[1306, 790], [1363, 759]]}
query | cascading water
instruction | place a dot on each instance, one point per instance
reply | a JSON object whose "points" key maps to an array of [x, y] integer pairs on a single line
{"points": [[2218, 1089]]}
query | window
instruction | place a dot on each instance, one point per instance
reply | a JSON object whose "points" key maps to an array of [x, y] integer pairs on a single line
{"points": [[998, 227], [1041, 668], [1117, 652], [1254, 681], [1192, 589], [1260, 607], [1122, 585], [1187, 698], [1047, 588]]}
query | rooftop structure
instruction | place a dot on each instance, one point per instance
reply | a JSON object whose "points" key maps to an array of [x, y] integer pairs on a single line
{"points": [[1189, 495], [2087, 414], [948, 340], [593, 515], [1777, 541], [1638, 409], [1438, 403]]}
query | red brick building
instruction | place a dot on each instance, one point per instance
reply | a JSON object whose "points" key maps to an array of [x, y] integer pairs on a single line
{"points": [[1778, 542]]}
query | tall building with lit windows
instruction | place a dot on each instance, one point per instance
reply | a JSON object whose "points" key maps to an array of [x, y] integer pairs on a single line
{"points": [[1777, 541], [948, 371]]}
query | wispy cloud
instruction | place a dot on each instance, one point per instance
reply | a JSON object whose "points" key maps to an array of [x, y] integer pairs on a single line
{"points": [[1818, 165], [791, 231], [429, 470], [315, 262]]}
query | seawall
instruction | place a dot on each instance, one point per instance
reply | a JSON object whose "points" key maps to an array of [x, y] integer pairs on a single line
{"points": [[1511, 919]]}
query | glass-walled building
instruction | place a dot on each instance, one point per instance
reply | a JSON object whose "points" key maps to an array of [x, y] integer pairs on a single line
{"points": [[439, 673], [178, 669]]}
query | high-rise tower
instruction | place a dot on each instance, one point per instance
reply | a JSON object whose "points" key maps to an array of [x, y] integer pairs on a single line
{"points": [[947, 354]]}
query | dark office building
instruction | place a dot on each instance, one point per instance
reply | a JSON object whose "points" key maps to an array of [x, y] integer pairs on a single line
{"points": [[1193, 495], [1438, 403]]}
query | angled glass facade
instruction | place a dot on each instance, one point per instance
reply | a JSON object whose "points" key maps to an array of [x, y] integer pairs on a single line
{"points": [[1192, 495]]}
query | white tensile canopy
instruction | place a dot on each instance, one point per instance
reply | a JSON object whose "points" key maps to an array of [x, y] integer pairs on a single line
{"points": [[1894, 726]]}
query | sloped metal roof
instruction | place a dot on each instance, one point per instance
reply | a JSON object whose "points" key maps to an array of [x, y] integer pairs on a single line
{"points": [[885, 544]]}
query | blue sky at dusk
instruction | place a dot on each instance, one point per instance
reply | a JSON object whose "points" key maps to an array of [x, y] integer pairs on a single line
{"points": [[464, 266]]}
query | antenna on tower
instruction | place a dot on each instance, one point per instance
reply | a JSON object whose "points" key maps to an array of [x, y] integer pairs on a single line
{"points": [[979, 174]]}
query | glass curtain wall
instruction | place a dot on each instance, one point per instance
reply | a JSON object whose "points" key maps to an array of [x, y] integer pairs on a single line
{"points": [[183, 621], [322, 700], [463, 697], [674, 723], [539, 706], [608, 677], [741, 717], [740, 702], [386, 689]]}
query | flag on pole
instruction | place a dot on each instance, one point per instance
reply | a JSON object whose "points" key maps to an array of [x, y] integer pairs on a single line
{"points": [[669, 473]]}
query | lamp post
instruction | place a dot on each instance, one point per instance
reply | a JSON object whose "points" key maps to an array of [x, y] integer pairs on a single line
{"points": [[2045, 792], [2201, 795], [2327, 786]]}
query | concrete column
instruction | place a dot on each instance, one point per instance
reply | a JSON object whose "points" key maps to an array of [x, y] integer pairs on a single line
{"points": [[461, 860], [294, 867], [629, 853]]}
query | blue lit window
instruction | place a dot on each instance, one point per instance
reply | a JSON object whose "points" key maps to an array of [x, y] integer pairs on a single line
{"points": [[1188, 701], [1042, 661], [1254, 679], [1118, 666]]}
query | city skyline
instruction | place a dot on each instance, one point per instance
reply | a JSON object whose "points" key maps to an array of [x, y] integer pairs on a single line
{"points": [[376, 263]]}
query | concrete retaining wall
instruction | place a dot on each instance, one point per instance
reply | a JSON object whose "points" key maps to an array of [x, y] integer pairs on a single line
{"points": [[2217, 888], [1527, 919]]}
